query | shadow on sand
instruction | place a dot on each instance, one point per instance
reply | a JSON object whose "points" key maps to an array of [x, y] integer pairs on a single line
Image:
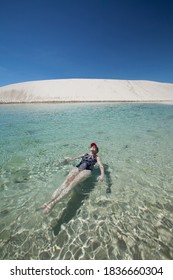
{"points": [[79, 194]]}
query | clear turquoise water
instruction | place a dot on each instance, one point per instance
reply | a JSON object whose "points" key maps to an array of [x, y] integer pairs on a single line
{"points": [[134, 221]]}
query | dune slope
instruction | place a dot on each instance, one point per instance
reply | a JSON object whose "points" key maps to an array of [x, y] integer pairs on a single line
{"points": [[86, 90]]}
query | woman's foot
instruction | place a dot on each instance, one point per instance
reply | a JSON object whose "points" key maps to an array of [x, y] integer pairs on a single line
{"points": [[47, 208], [42, 207]]}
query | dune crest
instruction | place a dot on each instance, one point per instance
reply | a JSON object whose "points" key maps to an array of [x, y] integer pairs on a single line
{"points": [[87, 90]]}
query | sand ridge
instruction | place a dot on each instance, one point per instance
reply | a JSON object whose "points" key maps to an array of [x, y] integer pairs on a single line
{"points": [[87, 90]]}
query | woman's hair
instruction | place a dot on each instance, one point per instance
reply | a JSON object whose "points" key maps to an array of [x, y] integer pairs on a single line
{"points": [[94, 144]]}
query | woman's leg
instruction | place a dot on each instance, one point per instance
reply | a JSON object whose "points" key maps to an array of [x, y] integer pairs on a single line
{"points": [[57, 192], [66, 187], [73, 173]]}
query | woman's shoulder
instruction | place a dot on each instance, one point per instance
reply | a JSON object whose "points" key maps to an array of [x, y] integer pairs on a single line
{"points": [[86, 154]]}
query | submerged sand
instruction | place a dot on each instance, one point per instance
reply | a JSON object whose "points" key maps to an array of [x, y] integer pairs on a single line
{"points": [[87, 90]]}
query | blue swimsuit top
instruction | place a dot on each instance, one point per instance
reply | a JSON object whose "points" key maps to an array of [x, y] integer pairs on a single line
{"points": [[87, 162]]}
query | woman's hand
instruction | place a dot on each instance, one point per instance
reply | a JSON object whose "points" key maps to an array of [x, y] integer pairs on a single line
{"points": [[68, 158], [100, 178]]}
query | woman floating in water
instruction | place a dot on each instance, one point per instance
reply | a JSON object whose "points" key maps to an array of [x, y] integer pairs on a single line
{"points": [[80, 173]]}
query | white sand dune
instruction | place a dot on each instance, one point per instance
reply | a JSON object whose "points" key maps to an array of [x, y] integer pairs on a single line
{"points": [[86, 90]]}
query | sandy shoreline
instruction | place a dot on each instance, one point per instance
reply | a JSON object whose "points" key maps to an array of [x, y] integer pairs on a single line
{"points": [[87, 102], [87, 90]]}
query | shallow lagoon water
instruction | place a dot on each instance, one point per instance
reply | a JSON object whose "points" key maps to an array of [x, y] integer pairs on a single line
{"points": [[134, 221]]}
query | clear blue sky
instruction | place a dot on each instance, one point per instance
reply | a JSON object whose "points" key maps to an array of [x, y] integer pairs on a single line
{"points": [[111, 39]]}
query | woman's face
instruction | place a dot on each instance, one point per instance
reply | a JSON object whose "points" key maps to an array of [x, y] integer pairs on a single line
{"points": [[93, 150]]}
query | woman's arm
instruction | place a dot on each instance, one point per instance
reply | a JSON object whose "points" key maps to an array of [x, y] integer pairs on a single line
{"points": [[101, 177], [70, 159]]}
